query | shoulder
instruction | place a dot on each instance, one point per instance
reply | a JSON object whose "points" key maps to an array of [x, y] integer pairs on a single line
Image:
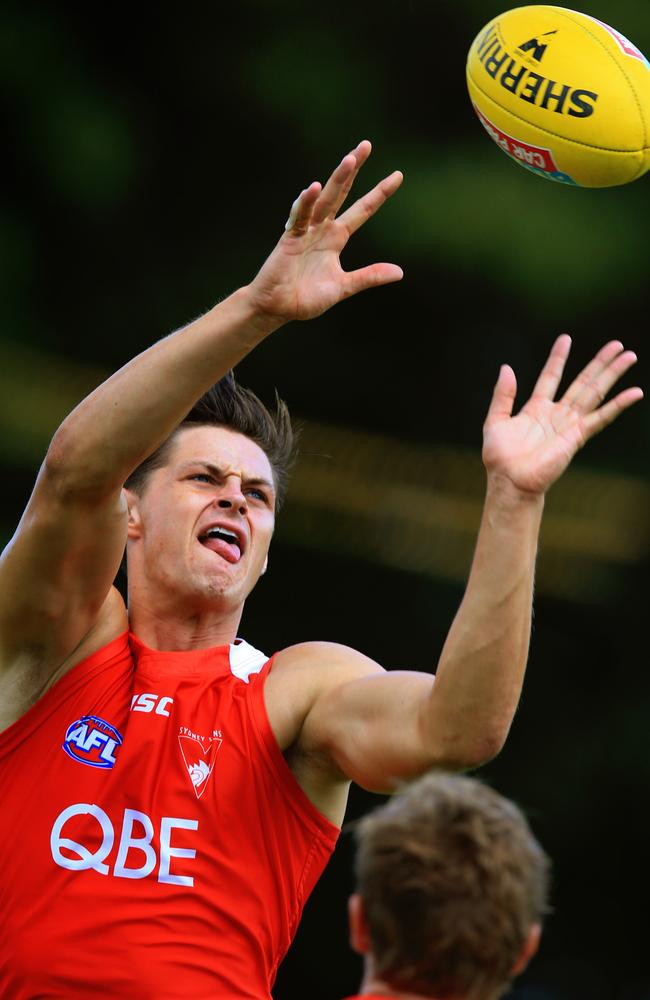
{"points": [[338, 662], [302, 675]]}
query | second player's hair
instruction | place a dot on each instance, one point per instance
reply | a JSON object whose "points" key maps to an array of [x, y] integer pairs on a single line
{"points": [[451, 880]]}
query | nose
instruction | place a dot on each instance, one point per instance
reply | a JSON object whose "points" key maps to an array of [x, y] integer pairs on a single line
{"points": [[232, 497], [230, 505]]}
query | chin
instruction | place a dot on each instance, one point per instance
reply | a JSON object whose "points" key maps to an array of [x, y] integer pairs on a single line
{"points": [[219, 587], [218, 590]]}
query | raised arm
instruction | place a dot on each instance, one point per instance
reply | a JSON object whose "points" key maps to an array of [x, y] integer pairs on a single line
{"points": [[56, 573], [381, 727], [128, 416]]}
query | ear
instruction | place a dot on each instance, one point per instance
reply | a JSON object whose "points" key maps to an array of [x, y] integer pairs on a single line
{"points": [[134, 523], [359, 937], [265, 566], [528, 949]]}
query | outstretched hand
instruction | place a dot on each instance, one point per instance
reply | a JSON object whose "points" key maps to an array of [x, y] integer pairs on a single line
{"points": [[303, 277], [533, 448]]}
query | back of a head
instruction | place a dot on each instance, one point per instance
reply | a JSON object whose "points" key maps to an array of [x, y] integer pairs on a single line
{"points": [[452, 881]]}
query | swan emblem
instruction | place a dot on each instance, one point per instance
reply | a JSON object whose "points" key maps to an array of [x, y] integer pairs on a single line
{"points": [[198, 772]]}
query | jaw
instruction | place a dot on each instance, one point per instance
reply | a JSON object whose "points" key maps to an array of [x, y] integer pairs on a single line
{"points": [[186, 610], [200, 582], [191, 584], [212, 578]]}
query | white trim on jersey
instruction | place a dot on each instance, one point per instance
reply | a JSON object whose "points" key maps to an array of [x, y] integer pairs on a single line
{"points": [[245, 659]]}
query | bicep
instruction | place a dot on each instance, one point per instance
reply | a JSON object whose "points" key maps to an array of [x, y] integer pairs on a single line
{"points": [[374, 728], [57, 570]]}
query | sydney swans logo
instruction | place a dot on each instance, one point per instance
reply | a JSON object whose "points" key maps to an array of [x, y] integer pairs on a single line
{"points": [[199, 753]]}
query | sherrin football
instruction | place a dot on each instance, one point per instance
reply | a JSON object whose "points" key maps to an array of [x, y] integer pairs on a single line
{"points": [[563, 94]]}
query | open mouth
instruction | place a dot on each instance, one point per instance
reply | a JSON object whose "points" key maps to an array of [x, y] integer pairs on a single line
{"points": [[224, 542]]}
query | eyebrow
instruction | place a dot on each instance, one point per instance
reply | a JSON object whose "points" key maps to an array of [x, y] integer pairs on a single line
{"points": [[218, 473]]}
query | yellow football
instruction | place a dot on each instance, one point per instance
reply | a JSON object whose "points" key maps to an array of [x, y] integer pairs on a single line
{"points": [[563, 94]]}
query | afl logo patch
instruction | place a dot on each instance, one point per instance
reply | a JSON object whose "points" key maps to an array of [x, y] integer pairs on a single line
{"points": [[91, 740]]}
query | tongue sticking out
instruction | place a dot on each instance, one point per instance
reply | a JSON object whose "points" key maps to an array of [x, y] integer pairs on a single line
{"points": [[227, 550]]}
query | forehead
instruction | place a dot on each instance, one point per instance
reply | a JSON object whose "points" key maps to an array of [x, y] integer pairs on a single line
{"points": [[223, 447]]}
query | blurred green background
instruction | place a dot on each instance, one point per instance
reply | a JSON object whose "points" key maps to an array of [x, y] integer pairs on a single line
{"points": [[151, 158]]}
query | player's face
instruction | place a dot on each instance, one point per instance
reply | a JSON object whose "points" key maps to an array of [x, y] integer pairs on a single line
{"points": [[205, 520]]}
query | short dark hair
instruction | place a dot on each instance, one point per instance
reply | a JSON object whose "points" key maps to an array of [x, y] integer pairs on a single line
{"points": [[452, 880], [231, 405]]}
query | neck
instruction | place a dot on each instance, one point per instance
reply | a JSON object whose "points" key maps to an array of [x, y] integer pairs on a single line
{"points": [[378, 989], [178, 631], [372, 985]]}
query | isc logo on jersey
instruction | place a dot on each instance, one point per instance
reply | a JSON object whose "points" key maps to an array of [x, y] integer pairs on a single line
{"points": [[91, 740], [150, 702]]}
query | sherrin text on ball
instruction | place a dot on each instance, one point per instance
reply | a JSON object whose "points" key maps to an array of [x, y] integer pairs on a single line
{"points": [[563, 94]]}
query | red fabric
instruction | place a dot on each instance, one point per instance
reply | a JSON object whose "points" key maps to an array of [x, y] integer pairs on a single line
{"points": [[151, 885]]}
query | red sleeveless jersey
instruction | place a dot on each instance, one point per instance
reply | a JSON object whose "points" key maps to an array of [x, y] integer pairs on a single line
{"points": [[153, 841]]}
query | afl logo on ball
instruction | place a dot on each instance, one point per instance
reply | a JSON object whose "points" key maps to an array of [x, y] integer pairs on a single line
{"points": [[91, 740]]}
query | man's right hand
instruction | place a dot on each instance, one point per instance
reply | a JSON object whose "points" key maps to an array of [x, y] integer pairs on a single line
{"points": [[303, 277]]}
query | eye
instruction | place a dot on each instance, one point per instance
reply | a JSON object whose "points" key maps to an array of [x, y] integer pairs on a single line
{"points": [[257, 494], [202, 477]]}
